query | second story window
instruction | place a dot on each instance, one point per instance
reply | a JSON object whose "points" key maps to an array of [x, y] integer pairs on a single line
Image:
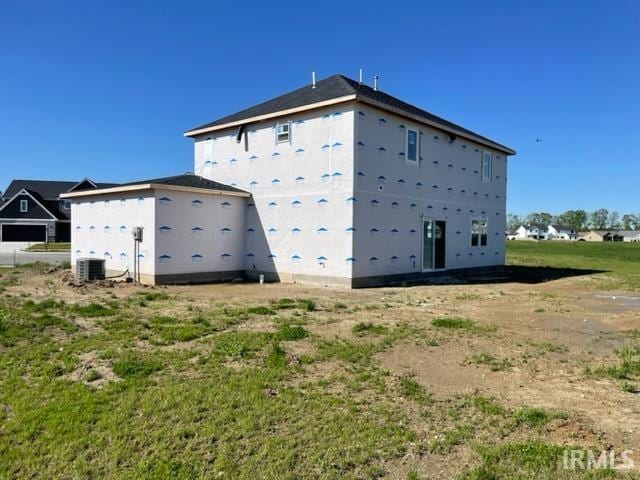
{"points": [[283, 133], [412, 145], [478, 233], [24, 206], [486, 166], [66, 204]]}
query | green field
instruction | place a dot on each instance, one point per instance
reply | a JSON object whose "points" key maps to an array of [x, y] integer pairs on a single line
{"points": [[619, 262]]}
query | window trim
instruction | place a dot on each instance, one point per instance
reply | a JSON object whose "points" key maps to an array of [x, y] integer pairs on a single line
{"points": [[24, 205], [486, 154], [279, 132], [406, 140]]}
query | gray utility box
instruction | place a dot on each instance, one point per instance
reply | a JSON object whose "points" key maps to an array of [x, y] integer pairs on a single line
{"points": [[90, 269]]}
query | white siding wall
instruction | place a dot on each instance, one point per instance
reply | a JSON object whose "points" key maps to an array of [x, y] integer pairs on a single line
{"points": [[301, 210], [198, 233], [101, 228], [409, 193]]}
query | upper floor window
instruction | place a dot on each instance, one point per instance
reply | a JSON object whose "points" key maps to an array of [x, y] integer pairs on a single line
{"points": [[412, 145], [66, 204], [479, 233], [24, 206], [283, 133], [486, 166]]}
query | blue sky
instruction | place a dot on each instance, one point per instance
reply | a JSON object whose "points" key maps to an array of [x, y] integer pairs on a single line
{"points": [[105, 89]]}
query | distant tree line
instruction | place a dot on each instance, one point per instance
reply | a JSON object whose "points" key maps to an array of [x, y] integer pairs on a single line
{"points": [[601, 219]]}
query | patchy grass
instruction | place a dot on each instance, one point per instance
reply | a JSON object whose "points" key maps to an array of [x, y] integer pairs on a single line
{"points": [[119, 384], [494, 363], [305, 304], [535, 417], [291, 332], [628, 367], [412, 390], [94, 310], [133, 365], [530, 459], [455, 323], [368, 328]]}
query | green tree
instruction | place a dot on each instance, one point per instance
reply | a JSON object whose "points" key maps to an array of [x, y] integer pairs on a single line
{"points": [[576, 219], [630, 221], [513, 221], [539, 218], [598, 219], [613, 220]]}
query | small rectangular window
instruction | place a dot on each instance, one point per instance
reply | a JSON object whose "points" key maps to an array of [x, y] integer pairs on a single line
{"points": [[479, 233], [282, 133], [412, 145], [24, 206], [486, 166], [66, 204]]}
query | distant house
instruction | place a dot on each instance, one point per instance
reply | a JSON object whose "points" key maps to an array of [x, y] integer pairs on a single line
{"points": [[602, 236], [632, 236], [32, 210], [530, 232], [561, 232]]}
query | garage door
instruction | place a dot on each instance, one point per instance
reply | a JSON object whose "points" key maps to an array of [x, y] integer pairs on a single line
{"points": [[24, 233]]}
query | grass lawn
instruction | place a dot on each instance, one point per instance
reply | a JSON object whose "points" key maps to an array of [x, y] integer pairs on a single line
{"points": [[619, 261], [49, 247]]}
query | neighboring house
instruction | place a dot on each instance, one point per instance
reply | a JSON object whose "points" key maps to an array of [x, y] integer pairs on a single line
{"points": [[561, 232], [632, 236], [602, 236], [32, 210], [511, 234], [530, 232], [334, 183]]}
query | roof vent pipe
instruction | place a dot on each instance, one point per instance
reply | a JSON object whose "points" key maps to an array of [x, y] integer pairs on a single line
{"points": [[375, 82], [313, 79], [360, 76]]}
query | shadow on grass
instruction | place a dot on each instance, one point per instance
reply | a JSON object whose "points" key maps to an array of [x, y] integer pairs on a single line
{"points": [[524, 274], [507, 274]]}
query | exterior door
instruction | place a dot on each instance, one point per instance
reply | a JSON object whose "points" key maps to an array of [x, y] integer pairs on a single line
{"points": [[433, 244]]}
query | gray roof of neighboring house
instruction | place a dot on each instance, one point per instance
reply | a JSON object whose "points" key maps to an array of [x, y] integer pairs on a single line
{"points": [[47, 192], [629, 233], [187, 180], [47, 189], [561, 227], [539, 227], [330, 88]]}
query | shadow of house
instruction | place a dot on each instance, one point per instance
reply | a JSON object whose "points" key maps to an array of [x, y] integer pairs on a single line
{"points": [[509, 274]]}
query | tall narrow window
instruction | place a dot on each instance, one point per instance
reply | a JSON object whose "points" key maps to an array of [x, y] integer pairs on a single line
{"points": [[283, 133], [479, 233], [486, 166], [24, 206], [412, 145]]}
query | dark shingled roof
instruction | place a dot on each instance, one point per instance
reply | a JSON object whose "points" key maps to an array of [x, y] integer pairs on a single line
{"points": [[330, 88], [47, 189], [47, 192], [187, 180]]}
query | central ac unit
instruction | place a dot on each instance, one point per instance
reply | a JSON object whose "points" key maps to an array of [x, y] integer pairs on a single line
{"points": [[90, 269]]}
